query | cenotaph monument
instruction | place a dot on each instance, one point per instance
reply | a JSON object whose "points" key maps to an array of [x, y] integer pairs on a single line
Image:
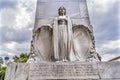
{"points": [[62, 32], [63, 46]]}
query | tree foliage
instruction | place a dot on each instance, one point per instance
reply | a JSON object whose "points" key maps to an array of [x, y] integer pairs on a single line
{"points": [[22, 58], [2, 72], [1, 60]]}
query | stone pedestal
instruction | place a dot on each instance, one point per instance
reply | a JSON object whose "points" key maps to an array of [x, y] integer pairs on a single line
{"points": [[64, 71]]}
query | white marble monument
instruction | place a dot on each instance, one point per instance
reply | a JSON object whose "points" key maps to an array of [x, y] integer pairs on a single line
{"points": [[63, 46], [62, 32]]}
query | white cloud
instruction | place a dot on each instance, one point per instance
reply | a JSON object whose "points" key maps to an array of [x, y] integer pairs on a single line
{"points": [[26, 13], [98, 10], [101, 7], [22, 18], [106, 57], [14, 48], [9, 35], [19, 17], [10, 45], [108, 46], [112, 45], [6, 53], [7, 17]]}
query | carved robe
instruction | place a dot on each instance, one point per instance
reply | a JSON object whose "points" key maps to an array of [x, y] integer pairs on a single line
{"points": [[62, 31]]}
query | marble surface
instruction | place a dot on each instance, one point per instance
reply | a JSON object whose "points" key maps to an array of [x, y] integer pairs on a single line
{"points": [[63, 70], [73, 41]]}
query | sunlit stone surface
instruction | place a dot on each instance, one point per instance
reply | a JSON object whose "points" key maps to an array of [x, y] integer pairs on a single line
{"points": [[62, 32], [64, 71], [63, 46]]}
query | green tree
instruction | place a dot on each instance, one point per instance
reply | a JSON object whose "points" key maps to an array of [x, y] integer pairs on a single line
{"points": [[1, 60], [22, 58], [2, 72], [2, 69]]}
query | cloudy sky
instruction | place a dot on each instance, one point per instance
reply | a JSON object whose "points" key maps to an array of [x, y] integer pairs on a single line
{"points": [[17, 22]]}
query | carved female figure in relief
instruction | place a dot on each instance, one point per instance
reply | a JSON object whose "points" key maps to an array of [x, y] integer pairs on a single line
{"points": [[62, 34]]}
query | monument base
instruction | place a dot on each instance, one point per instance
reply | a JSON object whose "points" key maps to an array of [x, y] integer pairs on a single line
{"points": [[63, 71]]}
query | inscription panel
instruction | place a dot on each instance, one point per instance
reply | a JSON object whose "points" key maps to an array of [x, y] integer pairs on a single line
{"points": [[53, 71], [63, 71]]}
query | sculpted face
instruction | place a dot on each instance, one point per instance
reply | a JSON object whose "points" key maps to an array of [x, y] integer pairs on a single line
{"points": [[62, 11]]}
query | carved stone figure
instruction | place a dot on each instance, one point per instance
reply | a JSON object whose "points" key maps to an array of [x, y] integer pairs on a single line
{"points": [[62, 34], [63, 46], [61, 38]]}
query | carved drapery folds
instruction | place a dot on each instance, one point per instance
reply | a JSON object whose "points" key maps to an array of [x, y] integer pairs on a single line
{"points": [[63, 41]]}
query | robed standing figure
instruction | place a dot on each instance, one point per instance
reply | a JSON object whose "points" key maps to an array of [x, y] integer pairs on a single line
{"points": [[62, 36]]}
